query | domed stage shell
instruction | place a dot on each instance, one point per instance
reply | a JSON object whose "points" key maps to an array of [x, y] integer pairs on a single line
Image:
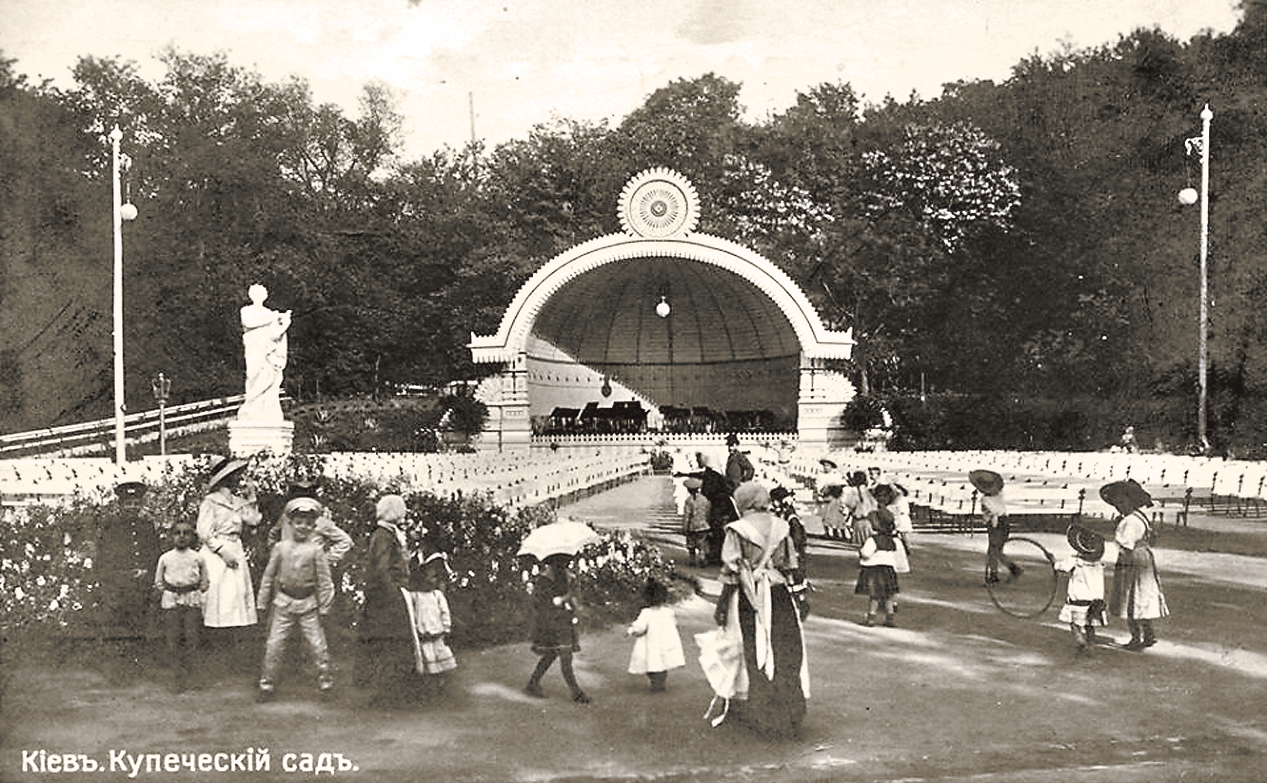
{"points": [[666, 317]]}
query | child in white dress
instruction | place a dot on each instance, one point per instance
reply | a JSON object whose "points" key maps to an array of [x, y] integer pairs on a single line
{"points": [[1084, 601], [429, 611], [658, 647]]}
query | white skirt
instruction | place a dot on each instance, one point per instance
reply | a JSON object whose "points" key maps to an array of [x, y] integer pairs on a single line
{"points": [[229, 602]]}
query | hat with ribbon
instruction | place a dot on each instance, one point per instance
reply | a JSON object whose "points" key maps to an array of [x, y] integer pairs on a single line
{"points": [[224, 470]]}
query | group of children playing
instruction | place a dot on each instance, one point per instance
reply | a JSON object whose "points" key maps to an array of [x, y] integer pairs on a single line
{"points": [[883, 555]]}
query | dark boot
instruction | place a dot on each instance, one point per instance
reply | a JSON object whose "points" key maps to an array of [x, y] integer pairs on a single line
{"points": [[1147, 637]]}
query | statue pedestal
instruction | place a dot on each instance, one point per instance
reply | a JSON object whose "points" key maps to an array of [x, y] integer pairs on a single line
{"points": [[252, 437]]}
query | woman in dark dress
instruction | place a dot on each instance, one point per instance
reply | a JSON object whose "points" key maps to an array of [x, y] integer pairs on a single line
{"points": [[386, 639], [759, 559]]}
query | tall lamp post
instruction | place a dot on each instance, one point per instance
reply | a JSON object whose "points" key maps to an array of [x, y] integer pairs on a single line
{"points": [[1188, 196], [162, 386], [122, 212]]}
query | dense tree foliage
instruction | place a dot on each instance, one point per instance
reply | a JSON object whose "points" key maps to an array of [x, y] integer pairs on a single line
{"points": [[1004, 241]]}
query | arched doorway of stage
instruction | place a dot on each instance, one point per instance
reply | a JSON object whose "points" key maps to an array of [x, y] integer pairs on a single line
{"points": [[662, 321]]}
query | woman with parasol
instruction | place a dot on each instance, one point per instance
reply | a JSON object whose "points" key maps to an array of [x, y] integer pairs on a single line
{"points": [[1136, 595], [554, 631], [998, 528]]}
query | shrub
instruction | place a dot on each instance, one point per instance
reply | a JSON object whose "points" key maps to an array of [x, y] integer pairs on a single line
{"points": [[46, 581]]}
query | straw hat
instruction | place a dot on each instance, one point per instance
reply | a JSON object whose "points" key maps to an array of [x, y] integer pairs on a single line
{"points": [[693, 483], [987, 482], [225, 469], [1126, 496], [1085, 542]]}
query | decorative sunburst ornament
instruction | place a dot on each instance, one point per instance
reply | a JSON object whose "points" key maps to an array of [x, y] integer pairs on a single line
{"points": [[657, 204]]}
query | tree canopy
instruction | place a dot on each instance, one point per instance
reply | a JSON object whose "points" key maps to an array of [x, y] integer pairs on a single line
{"points": [[1009, 240]]}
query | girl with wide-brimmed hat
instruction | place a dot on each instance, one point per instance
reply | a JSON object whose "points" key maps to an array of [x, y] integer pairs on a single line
{"points": [[1084, 596], [1136, 595]]}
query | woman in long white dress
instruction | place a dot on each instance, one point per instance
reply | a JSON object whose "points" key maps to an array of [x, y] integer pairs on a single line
{"points": [[221, 517]]}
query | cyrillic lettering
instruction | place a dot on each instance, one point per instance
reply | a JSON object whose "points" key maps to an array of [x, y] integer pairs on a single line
{"points": [[345, 765], [32, 761], [288, 763], [218, 766], [238, 761], [305, 762], [118, 760], [70, 762], [325, 763], [261, 759], [88, 764], [54, 763]]}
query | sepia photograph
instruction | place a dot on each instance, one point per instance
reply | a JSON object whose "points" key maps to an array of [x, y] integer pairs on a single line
{"points": [[681, 392]]}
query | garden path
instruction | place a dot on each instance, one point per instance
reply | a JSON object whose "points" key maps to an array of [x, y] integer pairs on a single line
{"points": [[958, 692]]}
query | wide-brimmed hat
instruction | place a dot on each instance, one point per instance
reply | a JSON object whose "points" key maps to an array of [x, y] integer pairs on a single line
{"points": [[1085, 542], [693, 483], [828, 464], [856, 479], [225, 469], [1126, 496], [987, 482]]}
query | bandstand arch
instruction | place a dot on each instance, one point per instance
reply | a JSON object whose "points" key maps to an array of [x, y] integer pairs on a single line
{"points": [[590, 313]]}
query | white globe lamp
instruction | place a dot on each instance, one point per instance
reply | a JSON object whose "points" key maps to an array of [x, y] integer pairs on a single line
{"points": [[1188, 196]]}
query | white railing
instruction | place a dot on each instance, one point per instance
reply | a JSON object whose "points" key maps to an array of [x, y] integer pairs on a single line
{"points": [[511, 479], [95, 437]]}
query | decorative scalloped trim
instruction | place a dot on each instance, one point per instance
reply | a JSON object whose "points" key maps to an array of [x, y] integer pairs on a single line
{"points": [[659, 203]]}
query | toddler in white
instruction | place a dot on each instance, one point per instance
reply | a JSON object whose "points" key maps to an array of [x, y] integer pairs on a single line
{"points": [[658, 646]]}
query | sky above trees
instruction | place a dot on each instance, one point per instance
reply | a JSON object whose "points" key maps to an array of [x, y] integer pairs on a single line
{"points": [[505, 67]]}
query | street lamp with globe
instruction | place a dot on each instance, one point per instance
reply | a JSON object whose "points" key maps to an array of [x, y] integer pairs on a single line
{"points": [[1187, 197], [122, 212]]}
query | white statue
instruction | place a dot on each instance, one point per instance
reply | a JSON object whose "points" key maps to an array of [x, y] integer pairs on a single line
{"points": [[264, 338]]}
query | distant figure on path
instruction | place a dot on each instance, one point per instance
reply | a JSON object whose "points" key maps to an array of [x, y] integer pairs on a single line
{"points": [[264, 340]]}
